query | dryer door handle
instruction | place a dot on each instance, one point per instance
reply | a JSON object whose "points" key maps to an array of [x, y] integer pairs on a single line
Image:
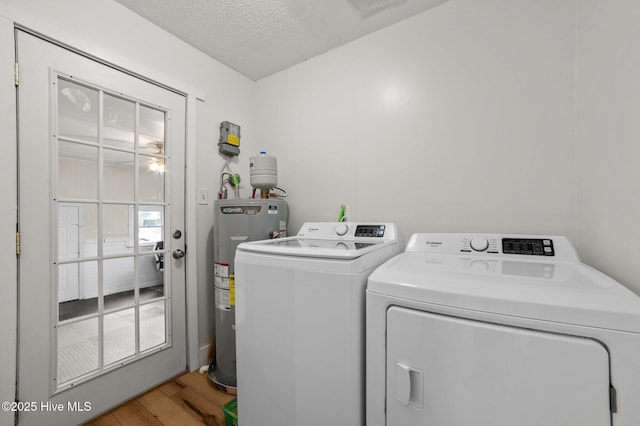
{"points": [[403, 383], [409, 386]]}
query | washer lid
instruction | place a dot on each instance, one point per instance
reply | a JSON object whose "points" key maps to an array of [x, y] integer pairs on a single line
{"points": [[335, 240], [567, 292], [295, 246]]}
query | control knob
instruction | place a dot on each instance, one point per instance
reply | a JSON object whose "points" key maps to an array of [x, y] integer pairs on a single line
{"points": [[479, 243], [342, 229]]}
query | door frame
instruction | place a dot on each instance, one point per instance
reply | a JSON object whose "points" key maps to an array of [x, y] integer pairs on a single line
{"points": [[8, 219], [8, 216]]}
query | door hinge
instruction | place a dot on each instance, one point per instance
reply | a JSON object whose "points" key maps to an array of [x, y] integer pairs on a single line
{"points": [[17, 243], [613, 399], [16, 74]]}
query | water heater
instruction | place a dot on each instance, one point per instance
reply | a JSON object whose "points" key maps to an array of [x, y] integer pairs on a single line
{"points": [[236, 221]]}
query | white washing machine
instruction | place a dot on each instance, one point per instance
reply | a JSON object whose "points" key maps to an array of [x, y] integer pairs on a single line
{"points": [[499, 330], [300, 323]]}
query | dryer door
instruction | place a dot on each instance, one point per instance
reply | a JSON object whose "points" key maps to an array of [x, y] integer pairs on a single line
{"points": [[449, 371]]}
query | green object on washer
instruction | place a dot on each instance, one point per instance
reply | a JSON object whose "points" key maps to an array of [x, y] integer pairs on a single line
{"points": [[342, 211]]}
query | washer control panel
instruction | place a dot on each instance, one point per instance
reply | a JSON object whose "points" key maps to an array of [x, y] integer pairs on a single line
{"points": [[370, 231]]}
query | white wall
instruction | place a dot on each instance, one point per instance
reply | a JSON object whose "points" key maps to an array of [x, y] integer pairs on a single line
{"points": [[457, 119], [109, 31], [608, 135]]}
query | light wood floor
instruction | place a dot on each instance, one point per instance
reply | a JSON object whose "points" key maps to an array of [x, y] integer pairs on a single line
{"points": [[189, 399]]}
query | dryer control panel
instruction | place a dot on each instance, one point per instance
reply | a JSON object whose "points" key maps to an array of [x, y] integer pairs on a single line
{"points": [[528, 246], [523, 246]]}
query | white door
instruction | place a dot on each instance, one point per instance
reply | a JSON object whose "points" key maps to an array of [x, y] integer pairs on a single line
{"points": [[112, 144], [448, 371]]}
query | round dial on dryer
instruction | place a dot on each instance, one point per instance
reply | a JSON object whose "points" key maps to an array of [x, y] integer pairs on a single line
{"points": [[479, 243], [342, 229]]}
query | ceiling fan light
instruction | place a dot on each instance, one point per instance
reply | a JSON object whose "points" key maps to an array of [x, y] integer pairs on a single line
{"points": [[157, 165]]}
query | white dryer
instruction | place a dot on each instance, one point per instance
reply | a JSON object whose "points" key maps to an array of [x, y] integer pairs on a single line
{"points": [[499, 330], [300, 323]]}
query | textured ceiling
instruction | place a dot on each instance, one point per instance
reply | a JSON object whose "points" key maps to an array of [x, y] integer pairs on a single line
{"points": [[261, 37]]}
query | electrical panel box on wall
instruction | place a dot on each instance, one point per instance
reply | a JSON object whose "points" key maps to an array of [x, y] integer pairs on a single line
{"points": [[229, 143]]}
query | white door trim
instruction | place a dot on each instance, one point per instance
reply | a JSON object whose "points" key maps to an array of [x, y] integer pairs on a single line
{"points": [[8, 218], [191, 236]]}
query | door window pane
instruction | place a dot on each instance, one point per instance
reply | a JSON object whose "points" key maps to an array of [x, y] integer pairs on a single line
{"points": [[152, 325], [151, 227], [151, 131], [89, 230], [116, 229], [119, 122], [119, 335], [68, 231], [119, 279], [118, 175], [77, 290], [77, 111], [151, 276], [77, 349], [77, 230], [77, 171], [152, 175]]}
